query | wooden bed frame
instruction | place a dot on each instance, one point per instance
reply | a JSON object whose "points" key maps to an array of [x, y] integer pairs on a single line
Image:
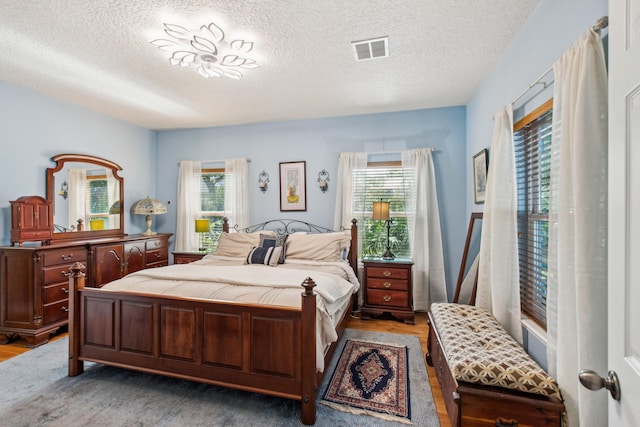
{"points": [[263, 349]]}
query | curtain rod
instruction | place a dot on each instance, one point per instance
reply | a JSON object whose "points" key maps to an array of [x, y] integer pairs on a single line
{"points": [[600, 24], [394, 151], [212, 161]]}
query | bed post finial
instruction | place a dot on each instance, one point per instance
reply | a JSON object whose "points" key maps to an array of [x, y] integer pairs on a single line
{"points": [[308, 285]]}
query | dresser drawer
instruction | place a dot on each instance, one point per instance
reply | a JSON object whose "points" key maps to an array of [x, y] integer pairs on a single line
{"points": [[388, 272], [153, 244], [387, 298], [57, 274], [157, 256], [56, 293], [56, 311], [64, 256], [393, 284]]}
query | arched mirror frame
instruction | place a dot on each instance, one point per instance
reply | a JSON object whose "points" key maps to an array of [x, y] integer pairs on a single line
{"points": [[474, 222], [60, 160]]}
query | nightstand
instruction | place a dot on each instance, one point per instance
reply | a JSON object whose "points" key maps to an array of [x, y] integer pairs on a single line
{"points": [[187, 257], [388, 289]]}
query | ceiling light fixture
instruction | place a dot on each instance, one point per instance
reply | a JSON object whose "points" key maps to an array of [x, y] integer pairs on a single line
{"points": [[207, 50]]}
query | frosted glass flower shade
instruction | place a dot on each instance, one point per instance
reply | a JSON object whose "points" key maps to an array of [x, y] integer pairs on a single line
{"points": [[148, 207]]}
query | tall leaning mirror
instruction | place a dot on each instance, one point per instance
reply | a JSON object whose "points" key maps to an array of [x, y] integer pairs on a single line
{"points": [[468, 275], [85, 194]]}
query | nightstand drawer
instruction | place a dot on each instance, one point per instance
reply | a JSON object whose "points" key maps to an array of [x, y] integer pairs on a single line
{"points": [[387, 298], [393, 284], [388, 272]]}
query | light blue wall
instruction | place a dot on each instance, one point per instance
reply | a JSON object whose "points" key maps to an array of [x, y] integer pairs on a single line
{"points": [[318, 142], [34, 127], [553, 27]]}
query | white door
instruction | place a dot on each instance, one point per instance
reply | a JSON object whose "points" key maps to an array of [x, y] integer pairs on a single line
{"points": [[624, 209]]}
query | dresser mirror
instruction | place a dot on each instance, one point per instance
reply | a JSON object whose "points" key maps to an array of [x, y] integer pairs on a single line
{"points": [[85, 194], [468, 276]]}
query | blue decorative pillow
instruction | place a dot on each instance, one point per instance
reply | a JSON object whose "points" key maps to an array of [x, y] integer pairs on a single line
{"points": [[265, 256], [277, 241]]}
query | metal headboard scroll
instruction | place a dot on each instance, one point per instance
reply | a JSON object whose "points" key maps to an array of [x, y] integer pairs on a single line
{"points": [[285, 226]]}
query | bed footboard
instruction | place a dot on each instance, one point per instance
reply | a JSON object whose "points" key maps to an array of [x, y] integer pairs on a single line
{"points": [[269, 350]]}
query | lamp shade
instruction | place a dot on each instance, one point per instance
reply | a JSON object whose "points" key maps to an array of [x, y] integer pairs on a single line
{"points": [[380, 211], [148, 206], [115, 208], [202, 226]]}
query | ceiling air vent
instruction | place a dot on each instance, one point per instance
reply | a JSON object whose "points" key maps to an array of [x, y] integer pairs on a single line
{"points": [[371, 49]]}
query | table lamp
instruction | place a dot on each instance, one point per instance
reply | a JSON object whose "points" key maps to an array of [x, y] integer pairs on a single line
{"points": [[202, 226], [148, 207], [381, 213]]}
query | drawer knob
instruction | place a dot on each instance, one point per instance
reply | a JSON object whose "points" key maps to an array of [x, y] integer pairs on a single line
{"points": [[66, 257], [386, 298], [386, 284], [65, 309], [157, 255], [64, 290], [386, 273]]}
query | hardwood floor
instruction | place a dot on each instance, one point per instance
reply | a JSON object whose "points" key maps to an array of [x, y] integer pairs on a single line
{"points": [[420, 329]]}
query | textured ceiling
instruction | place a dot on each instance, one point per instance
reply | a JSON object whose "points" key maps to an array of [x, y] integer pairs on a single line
{"points": [[96, 53]]}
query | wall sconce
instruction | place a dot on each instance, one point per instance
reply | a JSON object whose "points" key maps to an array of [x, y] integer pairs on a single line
{"points": [[381, 213], [202, 226], [64, 190], [263, 179], [323, 179]]}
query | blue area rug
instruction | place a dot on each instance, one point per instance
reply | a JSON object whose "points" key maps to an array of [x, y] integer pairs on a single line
{"points": [[36, 391]]}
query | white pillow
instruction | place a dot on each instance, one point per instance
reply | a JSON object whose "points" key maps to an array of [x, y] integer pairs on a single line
{"points": [[318, 247]]}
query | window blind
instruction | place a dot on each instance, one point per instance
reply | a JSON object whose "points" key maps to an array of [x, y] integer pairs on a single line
{"points": [[391, 183], [532, 139]]}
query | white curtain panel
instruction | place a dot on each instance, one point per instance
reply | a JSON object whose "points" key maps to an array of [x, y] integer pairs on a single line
{"points": [[236, 192], [113, 194], [498, 271], [425, 237], [347, 163], [189, 205], [577, 284], [77, 196]]}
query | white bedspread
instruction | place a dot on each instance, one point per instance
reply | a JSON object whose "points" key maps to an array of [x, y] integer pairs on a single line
{"points": [[225, 280]]}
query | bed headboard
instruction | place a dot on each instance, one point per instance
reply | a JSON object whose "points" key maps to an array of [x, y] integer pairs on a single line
{"points": [[288, 226]]}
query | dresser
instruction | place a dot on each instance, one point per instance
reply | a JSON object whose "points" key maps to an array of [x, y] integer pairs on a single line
{"points": [[388, 289], [34, 283], [186, 257]]}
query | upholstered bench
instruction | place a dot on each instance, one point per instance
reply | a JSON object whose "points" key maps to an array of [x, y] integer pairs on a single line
{"points": [[486, 376]]}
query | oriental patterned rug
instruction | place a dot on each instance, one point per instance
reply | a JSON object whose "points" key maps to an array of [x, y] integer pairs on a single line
{"points": [[371, 378]]}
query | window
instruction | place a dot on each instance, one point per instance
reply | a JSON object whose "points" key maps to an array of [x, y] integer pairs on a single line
{"points": [[212, 204], [97, 201], [532, 138], [386, 181]]}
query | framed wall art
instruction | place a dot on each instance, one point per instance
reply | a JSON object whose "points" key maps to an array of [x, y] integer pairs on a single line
{"points": [[480, 166], [293, 186]]}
